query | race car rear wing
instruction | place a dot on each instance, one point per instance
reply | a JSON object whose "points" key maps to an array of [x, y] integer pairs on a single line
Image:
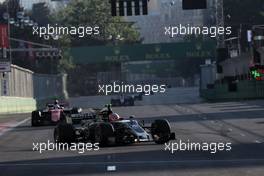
{"points": [[83, 116], [77, 118]]}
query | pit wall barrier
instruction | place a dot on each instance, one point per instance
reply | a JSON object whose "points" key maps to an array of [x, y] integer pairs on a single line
{"points": [[16, 105], [249, 89], [22, 90]]}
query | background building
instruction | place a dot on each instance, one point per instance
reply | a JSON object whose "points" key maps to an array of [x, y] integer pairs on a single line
{"points": [[169, 13]]}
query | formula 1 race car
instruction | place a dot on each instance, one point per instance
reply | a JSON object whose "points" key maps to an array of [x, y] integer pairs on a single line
{"points": [[122, 100], [107, 128], [52, 114], [138, 96]]}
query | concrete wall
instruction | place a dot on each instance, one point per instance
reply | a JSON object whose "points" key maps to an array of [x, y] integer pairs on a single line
{"points": [[248, 89], [22, 91], [17, 83], [208, 75], [237, 65], [16, 105]]}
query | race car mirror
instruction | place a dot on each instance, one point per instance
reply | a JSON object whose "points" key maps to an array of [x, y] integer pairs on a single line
{"points": [[68, 120]]}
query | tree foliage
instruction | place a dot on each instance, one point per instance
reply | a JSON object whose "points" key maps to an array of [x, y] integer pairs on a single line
{"points": [[41, 13], [84, 13], [94, 13]]}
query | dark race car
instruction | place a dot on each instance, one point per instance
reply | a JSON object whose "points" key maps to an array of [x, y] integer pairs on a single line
{"points": [[52, 114], [138, 96], [107, 128], [122, 100]]}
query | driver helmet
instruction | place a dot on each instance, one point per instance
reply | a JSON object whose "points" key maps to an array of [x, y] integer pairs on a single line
{"points": [[113, 117], [106, 110], [56, 102]]}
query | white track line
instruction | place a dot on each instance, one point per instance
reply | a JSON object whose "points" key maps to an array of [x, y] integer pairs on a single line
{"points": [[12, 126], [111, 168], [132, 162]]}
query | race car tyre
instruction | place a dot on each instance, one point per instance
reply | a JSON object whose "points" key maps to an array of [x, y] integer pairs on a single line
{"points": [[64, 133], [35, 118], [102, 133], [161, 131]]}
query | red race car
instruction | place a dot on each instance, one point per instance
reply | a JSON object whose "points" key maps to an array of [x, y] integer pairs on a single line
{"points": [[52, 114]]}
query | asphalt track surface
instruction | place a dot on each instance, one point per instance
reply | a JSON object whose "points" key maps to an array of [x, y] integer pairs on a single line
{"points": [[240, 123]]}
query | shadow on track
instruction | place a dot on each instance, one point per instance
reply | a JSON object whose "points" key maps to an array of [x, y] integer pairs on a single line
{"points": [[242, 155]]}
